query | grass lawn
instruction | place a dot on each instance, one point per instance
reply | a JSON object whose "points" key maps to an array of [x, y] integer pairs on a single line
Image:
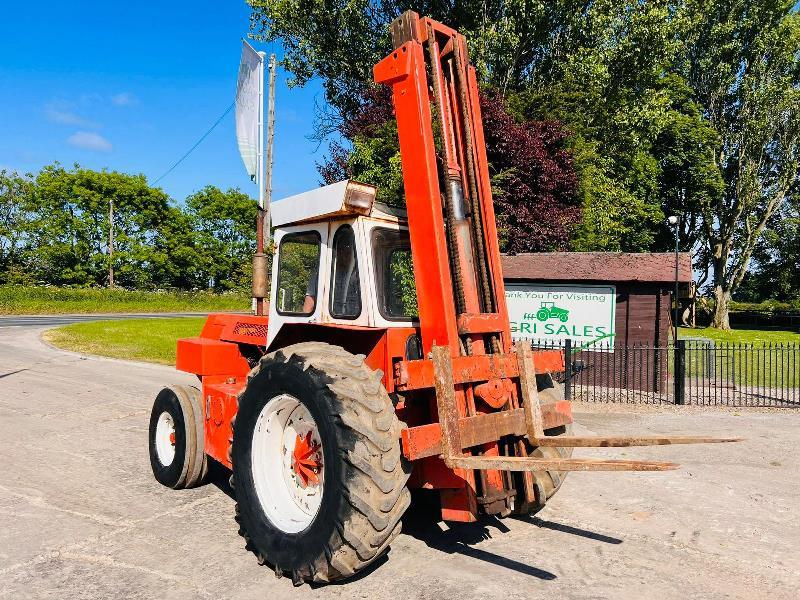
{"points": [[744, 357], [747, 336], [29, 300], [150, 340]]}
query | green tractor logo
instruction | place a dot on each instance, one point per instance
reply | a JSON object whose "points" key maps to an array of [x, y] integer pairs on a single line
{"points": [[548, 310]]}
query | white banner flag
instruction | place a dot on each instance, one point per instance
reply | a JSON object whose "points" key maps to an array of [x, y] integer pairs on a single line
{"points": [[248, 96]]}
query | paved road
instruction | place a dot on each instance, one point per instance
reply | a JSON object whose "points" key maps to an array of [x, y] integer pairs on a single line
{"points": [[56, 320], [82, 517]]}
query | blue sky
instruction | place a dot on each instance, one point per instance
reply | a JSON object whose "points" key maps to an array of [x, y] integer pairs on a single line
{"points": [[131, 86]]}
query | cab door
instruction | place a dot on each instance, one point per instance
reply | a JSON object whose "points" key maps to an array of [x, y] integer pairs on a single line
{"points": [[299, 283], [346, 300]]}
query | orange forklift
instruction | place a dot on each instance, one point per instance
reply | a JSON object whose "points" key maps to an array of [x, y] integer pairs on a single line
{"points": [[385, 362]]}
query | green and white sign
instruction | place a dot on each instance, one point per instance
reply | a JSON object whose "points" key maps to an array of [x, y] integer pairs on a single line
{"points": [[552, 313]]}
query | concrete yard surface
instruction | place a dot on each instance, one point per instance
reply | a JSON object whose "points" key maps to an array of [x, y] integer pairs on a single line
{"points": [[82, 517]]}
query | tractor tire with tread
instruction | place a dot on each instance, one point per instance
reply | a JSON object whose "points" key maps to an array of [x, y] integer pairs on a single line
{"points": [[364, 491]]}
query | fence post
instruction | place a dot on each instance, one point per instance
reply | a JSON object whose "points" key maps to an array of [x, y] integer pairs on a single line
{"points": [[680, 371], [568, 369]]}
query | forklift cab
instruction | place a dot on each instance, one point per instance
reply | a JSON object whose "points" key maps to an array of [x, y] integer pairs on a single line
{"points": [[341, 259]]}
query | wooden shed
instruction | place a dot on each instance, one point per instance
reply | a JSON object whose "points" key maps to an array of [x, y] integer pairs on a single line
{"points": [[613, 307]]}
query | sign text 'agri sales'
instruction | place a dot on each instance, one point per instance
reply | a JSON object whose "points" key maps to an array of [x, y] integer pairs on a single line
{"points": [[548, 313]]}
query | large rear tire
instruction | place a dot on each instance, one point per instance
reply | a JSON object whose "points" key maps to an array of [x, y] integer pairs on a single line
{"points": [[345, 429], [546, 483]]}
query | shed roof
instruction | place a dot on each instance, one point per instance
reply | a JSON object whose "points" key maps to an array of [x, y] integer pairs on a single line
{"points": [[658, 267]]}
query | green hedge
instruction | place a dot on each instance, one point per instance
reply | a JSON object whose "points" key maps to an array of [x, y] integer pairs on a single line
{"points": [[766, 305], [21, 300]]}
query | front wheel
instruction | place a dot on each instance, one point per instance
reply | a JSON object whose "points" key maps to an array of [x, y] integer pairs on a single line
{"points": [[317, 470], [176, 437]]}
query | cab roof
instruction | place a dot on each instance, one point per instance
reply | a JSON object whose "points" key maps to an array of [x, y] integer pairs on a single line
{"points": [[341, 199]]}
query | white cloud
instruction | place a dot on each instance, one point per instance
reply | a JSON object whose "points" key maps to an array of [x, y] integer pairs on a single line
{"points": [[124, 99], [91, 98], [88, 140], [57, 112]]}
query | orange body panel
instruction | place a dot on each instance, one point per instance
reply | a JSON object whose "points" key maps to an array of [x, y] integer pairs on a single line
{"points": [[205, 357], [220, 394]]}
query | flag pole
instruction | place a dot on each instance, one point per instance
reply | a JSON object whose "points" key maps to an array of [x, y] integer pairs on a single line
{"points": [[260, 176], [259, 258]]}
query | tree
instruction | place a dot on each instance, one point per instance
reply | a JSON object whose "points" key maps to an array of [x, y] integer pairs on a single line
{"points": [[177, 259], [600, 68], [224, 225], [374, 158], [15, 198], [511, 43], [67, 243], [54, 229], [533, 178], [741, 60], [633, 124], [777, 255], [340, 41], [689, 178]]}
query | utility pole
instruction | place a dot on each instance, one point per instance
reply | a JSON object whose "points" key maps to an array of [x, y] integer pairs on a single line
{"points": [[270, 139], [111, 242]]}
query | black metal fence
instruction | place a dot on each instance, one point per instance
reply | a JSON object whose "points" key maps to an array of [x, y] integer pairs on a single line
{"points": [[694, 371]]}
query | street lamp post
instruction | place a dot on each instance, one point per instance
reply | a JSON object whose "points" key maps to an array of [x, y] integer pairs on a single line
{"points": [[674, 222]]}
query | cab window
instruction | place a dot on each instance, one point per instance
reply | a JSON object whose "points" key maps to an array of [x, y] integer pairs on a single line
{"points": [[345, 300], [298, 272], [397, 291]]}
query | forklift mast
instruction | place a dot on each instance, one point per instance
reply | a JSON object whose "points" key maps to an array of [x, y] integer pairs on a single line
{"points": [[451, 223], [451, 219]]}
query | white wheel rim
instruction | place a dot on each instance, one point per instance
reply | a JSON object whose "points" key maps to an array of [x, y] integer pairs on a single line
{"points": [[288, 500], [165, 439]]}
